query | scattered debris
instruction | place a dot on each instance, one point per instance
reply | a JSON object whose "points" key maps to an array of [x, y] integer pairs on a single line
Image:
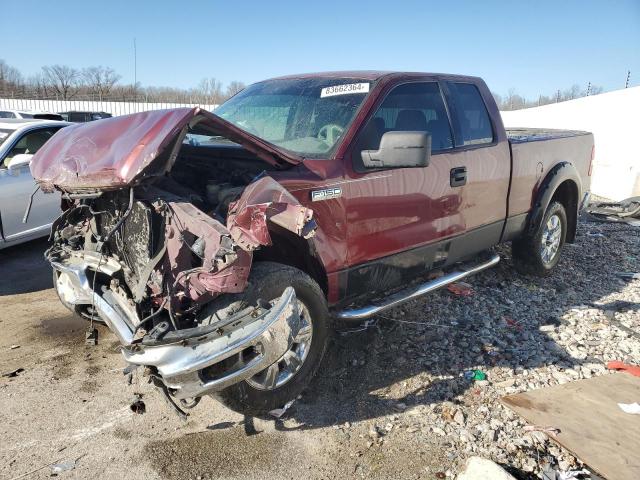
{"points": [[512, 323], [538, 428], [279, 412], [91, 337], [375, 432], [478, 468], [629, 275], [58, 468], [623, 211], [625, 367], [587, 409], [31, 472], [128, 372], [632, 408], [13, 373], [461, 289], [417, 359], [568, 475], [138, 406], [365, 325], [13, 347], [477, 375]]}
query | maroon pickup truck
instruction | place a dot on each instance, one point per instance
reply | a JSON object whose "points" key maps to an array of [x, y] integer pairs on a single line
{"points": [[222, 248]]}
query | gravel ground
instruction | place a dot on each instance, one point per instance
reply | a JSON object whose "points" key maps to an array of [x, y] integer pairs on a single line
{"points": [[391, 401]]}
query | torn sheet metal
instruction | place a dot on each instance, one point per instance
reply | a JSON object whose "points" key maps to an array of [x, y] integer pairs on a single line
{"points": [[225, 252], [627, 211], [223, 269], [265, 199]]}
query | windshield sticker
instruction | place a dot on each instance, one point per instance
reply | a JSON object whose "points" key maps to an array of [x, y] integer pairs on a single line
{"points": [[348, 89]]}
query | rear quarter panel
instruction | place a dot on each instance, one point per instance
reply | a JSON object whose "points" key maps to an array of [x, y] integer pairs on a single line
{"points": [[532, 161]]}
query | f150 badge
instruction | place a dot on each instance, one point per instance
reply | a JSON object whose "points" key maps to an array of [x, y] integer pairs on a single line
{"points": [[326, 194]]}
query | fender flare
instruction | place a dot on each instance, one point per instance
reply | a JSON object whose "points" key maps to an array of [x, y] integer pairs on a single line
{"points": [[560, 173]]}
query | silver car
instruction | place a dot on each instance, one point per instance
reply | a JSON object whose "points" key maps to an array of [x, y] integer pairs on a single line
{"points": [[20, 139]]}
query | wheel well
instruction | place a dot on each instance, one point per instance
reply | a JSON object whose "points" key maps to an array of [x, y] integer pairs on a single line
{"points": [[567, 195], [290, 249]]}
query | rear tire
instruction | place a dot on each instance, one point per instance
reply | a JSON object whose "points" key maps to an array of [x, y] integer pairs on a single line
{"points": [[537, 254], [267, 281]]}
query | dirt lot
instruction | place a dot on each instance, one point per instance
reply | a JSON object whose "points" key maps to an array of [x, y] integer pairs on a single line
{"points": [[391, 401]]}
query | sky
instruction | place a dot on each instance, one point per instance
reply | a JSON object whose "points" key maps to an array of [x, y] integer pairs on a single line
{"points": [[534, 47]]}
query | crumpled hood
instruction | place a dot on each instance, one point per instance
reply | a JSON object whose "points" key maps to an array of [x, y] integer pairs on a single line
{"points": [[117, 152]]}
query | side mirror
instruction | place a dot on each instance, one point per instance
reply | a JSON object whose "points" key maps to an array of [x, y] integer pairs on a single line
{"points": [[19, 160], [400, 149]]}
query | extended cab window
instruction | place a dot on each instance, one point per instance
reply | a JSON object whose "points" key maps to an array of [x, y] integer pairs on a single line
{"points": [[471, 114], [416, 107]]}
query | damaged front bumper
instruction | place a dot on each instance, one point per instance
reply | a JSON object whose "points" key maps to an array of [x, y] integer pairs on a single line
{"points": [[190, 362]]}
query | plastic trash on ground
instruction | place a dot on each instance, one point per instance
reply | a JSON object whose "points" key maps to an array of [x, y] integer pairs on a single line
{"points": [[57, 468], [632, 408]]}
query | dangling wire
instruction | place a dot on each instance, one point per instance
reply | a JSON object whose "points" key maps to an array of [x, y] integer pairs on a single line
{"points": [[28, 210]]}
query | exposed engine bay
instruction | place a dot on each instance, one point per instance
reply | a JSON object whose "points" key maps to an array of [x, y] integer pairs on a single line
{"points": [[148, 259]]}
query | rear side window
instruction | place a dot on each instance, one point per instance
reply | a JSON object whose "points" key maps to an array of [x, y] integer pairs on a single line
{"points": [[410, 107], [472, 115], [30, 142], [7, 115]]}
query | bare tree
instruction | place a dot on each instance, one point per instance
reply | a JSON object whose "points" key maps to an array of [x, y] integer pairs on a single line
{"points": [[209, 91], [99, 80], [37, 86], [61, 80], [9, 74], [233, 88], [513, 101], [10, 77], [571, 93], [596, 90]]}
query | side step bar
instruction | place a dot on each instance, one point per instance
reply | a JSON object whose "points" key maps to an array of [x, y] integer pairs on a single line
{"points": [[415, 292]]}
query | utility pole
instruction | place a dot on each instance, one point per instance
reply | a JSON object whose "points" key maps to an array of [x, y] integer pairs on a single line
{"points": [[558, 96], [626, 84], [135, 71]]}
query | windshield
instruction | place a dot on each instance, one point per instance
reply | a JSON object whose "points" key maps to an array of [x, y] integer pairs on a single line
{"points": [[305, 116], [4, 134]]}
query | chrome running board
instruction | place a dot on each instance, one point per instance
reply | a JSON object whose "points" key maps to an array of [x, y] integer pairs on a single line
{"points": [[414, 292]]}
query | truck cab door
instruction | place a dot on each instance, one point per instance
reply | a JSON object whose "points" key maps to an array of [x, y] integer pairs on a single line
{"points": [[16, 187], [403, 222]]}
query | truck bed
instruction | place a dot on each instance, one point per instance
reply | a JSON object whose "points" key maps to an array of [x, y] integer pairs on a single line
{"points": [[534, 151], [523, 135]]}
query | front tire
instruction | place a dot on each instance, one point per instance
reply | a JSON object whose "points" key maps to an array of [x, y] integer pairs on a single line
{"points": [[539, 253], [287, 378]]}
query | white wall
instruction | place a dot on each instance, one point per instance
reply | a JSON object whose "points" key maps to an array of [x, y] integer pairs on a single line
{"points": [[614, 120], [114, 108]]}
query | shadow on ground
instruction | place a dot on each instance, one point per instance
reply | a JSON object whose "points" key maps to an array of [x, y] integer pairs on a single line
{"points": [[24, 268], [417, 354]]}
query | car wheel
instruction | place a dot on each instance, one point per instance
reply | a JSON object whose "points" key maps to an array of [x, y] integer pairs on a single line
{"points": [[289, 376], [538, 253]]}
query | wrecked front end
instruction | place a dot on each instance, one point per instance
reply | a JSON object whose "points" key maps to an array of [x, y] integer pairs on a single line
{"points": [[154, 259]]}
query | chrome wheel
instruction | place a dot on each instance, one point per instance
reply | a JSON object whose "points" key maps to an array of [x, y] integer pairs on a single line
{"points": [[550, 241], [290, 363]]}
